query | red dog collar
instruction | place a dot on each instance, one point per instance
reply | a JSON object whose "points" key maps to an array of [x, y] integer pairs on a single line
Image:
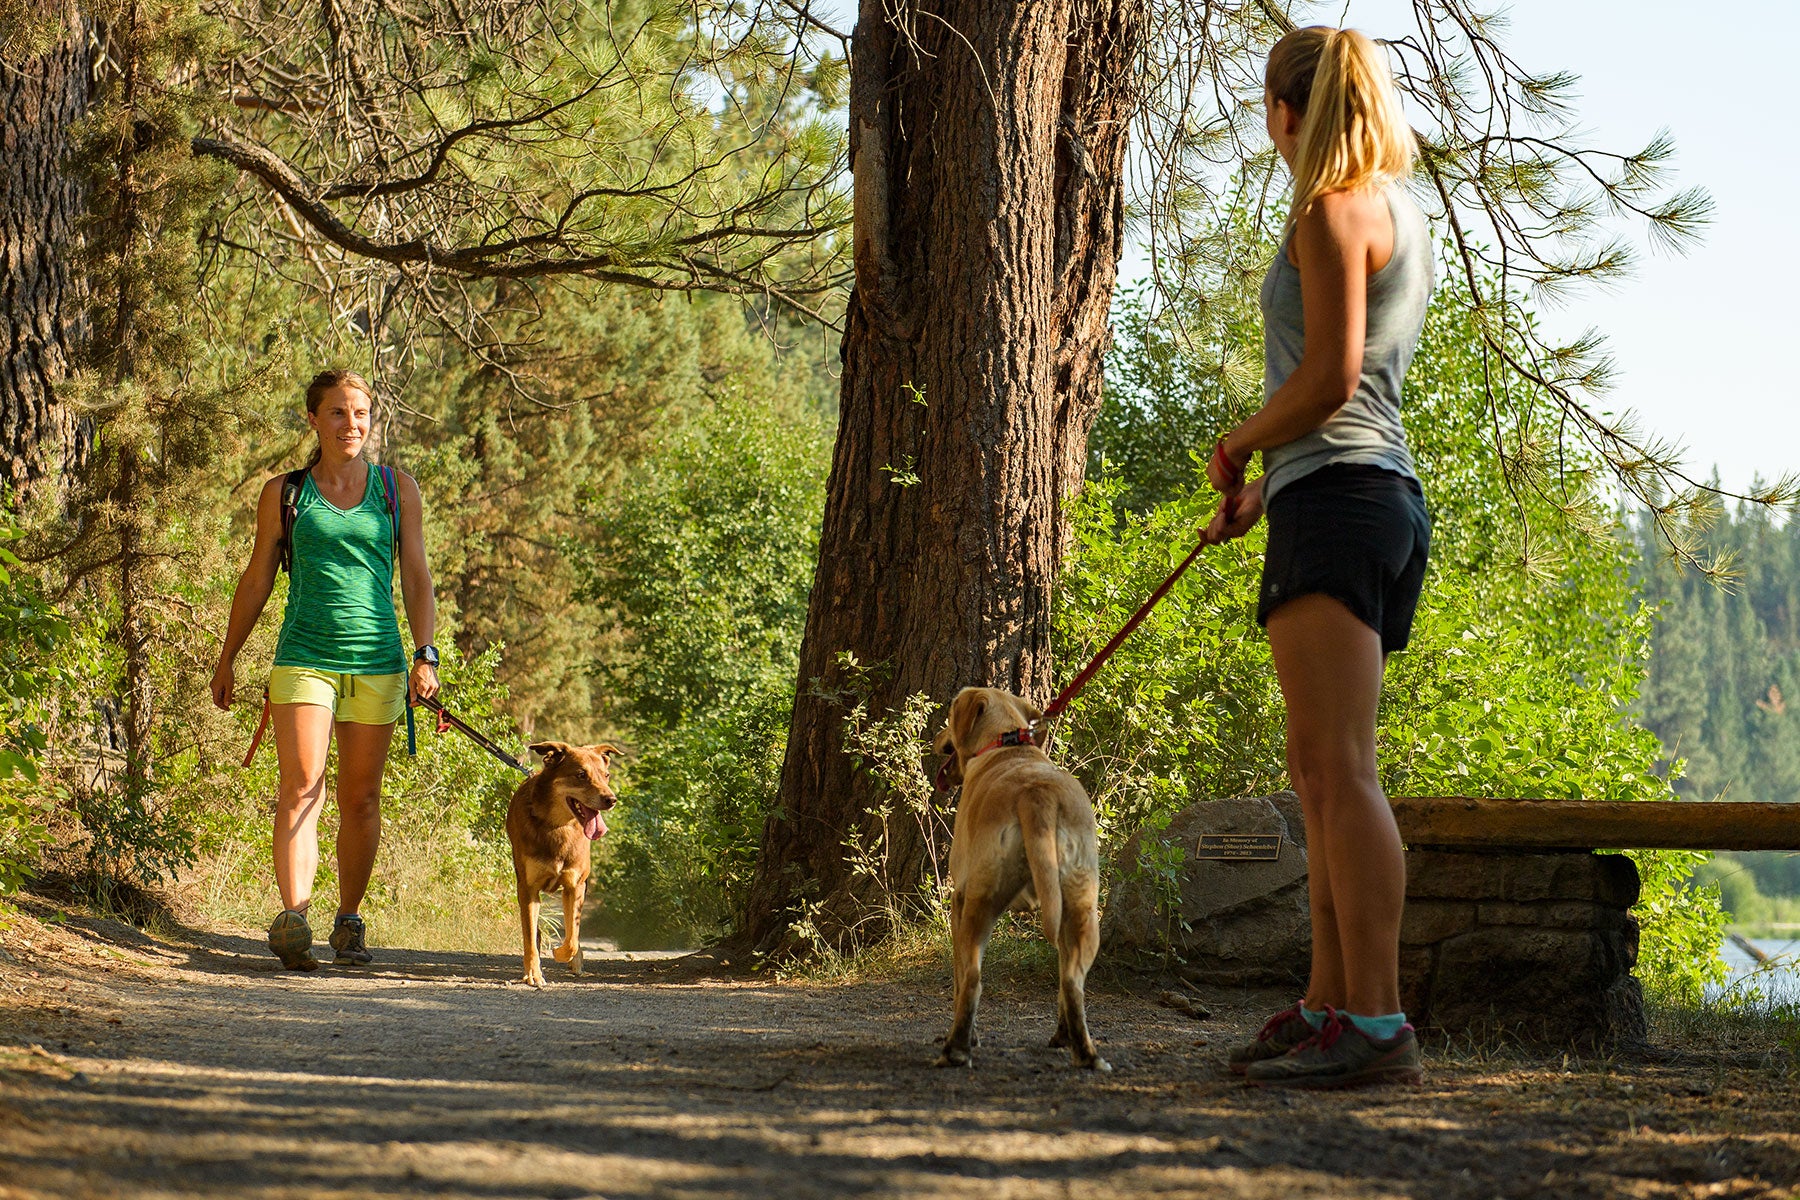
{"points": [[1012, 737]]}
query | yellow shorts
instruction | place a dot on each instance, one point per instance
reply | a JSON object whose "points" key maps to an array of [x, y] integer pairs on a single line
{"points": [[359, 699]]}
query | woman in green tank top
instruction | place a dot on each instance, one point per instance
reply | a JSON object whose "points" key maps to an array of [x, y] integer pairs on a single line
{"points": [[340, 666]]}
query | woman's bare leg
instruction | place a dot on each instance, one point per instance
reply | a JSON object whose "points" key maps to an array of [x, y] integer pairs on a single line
{"points": [[1325, 981], [362, 757], [302, 741], [1330, 664]]}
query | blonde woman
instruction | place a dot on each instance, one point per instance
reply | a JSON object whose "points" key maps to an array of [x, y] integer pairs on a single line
{"points": [[1343, 304], [343, 528]]}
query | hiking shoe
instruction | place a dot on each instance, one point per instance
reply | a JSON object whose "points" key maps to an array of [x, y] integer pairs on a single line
{"points": [[1342, 1056], [1279, 1034], [290, 937], [347, 937]]}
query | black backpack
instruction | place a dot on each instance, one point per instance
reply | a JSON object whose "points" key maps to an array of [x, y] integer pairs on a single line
{"points": [[295, 481]]}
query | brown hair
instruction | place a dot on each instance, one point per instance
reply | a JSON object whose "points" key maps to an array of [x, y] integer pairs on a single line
{"points": [[323, 382], [1353, 133]]}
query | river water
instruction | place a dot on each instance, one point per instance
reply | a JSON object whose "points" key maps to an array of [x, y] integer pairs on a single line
{"points": [[1778, 979]]}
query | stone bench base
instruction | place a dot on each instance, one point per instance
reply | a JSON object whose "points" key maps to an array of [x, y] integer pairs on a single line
{"points": [[1537, 945], [1532, 944]]}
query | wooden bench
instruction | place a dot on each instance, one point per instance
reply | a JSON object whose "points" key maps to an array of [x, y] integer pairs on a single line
{"points": [[1597, 825], [1514, 924]]}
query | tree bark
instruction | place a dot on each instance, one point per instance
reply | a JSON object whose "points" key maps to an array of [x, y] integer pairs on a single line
{"points": [[40, 202], [988, 146]]}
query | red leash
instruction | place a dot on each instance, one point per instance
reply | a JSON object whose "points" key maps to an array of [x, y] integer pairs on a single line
{"points": [[1024, 736], [262, 727], [1236, 473]]}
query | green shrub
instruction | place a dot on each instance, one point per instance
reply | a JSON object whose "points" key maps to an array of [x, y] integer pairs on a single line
{"points": [[705, 560], [31, 636]]}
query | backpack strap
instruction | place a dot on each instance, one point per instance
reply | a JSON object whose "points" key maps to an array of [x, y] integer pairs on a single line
{"points": [[291, 485], [391, 492]]}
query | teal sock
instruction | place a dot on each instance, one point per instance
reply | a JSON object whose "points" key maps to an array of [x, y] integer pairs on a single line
{"points": [[1313, 1016], [1379, 1029]]}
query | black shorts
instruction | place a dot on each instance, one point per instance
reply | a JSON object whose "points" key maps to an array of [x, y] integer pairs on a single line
{"points": [[1358, 534]]}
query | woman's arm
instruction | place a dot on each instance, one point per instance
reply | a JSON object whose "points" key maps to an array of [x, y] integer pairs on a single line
{"points": [[253, 589], [415, 582], [1333, 242]]}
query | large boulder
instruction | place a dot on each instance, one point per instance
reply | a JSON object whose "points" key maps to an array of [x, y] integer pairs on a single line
{"points": [[1234, 921]]}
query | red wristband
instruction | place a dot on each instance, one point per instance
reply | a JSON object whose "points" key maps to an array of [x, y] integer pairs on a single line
{"points": [[1233, 473]]}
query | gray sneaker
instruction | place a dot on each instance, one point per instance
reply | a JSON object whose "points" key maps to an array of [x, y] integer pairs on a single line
{"points": [[290, 937], [348, 934], [1279, 1034], [1342, 1056]]}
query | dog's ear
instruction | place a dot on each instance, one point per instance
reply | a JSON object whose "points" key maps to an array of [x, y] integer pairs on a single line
{"points": [[968, 707], [552, 751], [609, 751], [949, 772]]}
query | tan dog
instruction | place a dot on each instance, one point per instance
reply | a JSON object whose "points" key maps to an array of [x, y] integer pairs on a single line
{"points": [[1023, 825], [552, 823]]}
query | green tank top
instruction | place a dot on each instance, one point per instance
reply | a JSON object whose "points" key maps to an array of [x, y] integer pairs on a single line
{"points": [[340, 602]]}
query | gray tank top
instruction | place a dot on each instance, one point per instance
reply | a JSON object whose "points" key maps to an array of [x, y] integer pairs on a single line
{"points": [[1367, 429]]}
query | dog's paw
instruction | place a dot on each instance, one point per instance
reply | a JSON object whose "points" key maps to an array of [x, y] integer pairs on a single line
{"points": [[1095, 1063], [562, 953], [535, 980], [954, 1058]]}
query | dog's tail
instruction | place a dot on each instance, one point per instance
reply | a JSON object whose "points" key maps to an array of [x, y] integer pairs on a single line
{"points": [[1037, 823]]}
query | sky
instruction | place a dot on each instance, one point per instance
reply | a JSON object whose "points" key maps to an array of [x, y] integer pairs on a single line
{"points": [[1698, 339]]}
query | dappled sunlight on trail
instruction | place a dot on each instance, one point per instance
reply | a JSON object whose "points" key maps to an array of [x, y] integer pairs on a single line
{"points": [[191, 1066]]}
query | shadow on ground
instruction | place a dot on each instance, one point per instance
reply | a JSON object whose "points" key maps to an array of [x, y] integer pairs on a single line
{"points": [[192, 1066]]}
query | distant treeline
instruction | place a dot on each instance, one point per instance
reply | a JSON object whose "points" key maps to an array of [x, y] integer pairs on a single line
{"points": [[1724, 685]]}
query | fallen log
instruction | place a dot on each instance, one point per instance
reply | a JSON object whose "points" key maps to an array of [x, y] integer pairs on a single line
{"points": [[1597, 825]]}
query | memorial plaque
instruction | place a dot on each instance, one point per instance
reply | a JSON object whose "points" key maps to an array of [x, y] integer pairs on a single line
{"points": [[1244, 847]]}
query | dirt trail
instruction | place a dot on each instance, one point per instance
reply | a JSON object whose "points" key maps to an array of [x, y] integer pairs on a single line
{"points": [[193, 1066]]}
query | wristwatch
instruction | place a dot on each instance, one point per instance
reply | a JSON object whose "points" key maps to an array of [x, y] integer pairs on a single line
{"points": [[427, 654]]}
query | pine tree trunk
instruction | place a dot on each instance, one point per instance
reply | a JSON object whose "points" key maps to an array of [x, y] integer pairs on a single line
{"points": [[988, 144], [40, 100]]}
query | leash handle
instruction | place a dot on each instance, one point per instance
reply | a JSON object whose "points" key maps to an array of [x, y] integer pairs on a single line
{"points": [[445, 716]]}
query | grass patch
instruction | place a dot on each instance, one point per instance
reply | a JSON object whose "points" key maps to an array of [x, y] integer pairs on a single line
{"points": [[919, 951], [1752, 1015], [434, 888]]}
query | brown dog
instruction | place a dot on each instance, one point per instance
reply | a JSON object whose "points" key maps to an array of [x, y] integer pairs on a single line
{"points": [[552, 823], [1023, 825]]}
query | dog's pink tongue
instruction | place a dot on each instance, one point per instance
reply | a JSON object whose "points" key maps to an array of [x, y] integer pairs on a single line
{"points": [[592, 823]]}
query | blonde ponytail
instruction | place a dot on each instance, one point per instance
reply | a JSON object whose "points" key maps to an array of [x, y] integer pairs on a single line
{"points": [[1353, 133]]}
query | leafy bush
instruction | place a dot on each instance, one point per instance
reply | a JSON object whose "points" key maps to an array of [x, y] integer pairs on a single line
{"points": [[31, 633], [705, 561], [1188, 706]]}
